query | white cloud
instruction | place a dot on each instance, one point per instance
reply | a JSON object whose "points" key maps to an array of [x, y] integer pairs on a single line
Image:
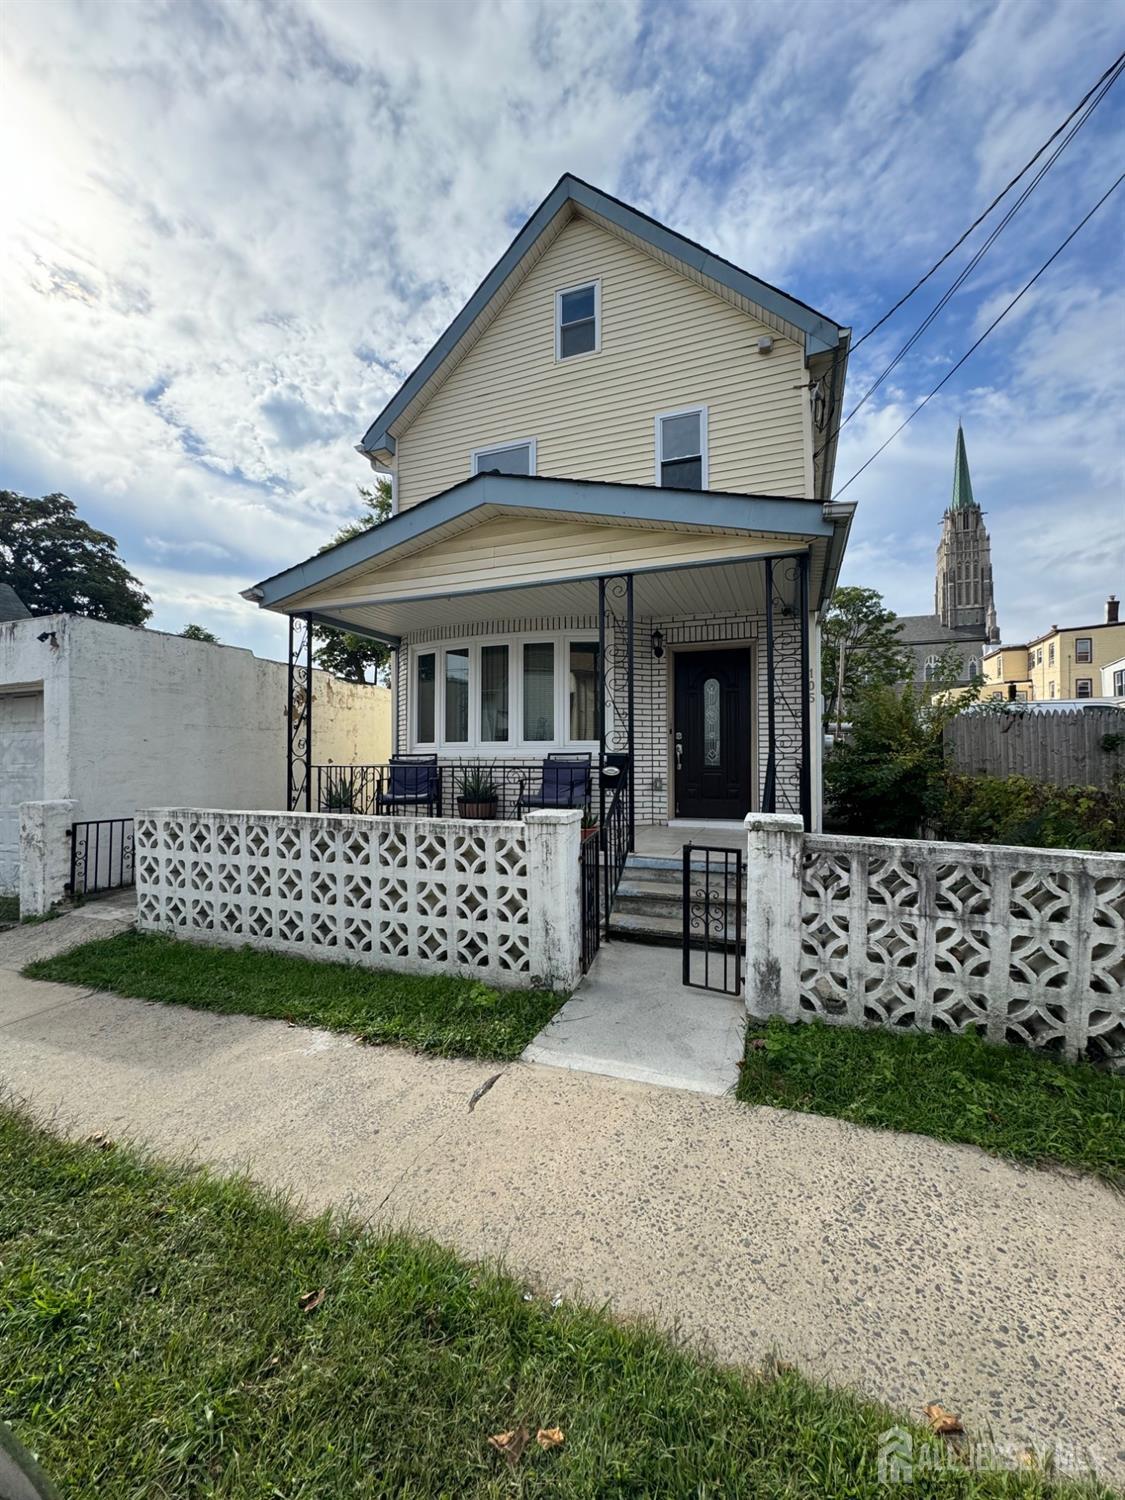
{"points": [[233, 230]]}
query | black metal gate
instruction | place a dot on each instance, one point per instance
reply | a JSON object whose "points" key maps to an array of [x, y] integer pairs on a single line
{"points": [[713, 918], [101, 856]]}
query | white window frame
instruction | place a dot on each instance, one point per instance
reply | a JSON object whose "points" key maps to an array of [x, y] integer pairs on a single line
{"points": [[528, 443], [658, 430], [564, 291], [515, 747], [413, 695]]}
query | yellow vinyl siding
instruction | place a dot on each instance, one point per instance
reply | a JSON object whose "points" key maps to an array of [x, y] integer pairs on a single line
{"points": [[665, 343], [512, 551]]}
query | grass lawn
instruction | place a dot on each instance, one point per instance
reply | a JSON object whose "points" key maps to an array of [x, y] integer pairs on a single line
{"points": [[153, 1345], [1009, 1100], [452, 1017]]}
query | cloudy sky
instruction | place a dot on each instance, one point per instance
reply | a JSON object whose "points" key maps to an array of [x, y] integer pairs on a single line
{"points": [[232, 228]]}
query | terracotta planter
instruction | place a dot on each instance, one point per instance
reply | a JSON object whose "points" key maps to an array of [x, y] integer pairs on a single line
{"points": [[590, 833], [469, 808]]}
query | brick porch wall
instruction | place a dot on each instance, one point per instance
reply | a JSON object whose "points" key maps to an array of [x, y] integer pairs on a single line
{"points": [[651, 682]]}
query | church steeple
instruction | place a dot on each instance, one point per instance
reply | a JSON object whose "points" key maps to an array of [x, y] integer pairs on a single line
{"points": [[962, 484], [963, 597]]}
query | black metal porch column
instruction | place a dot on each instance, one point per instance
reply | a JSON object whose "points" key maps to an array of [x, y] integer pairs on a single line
{"points": [[299, 757], [617, 722], [600, 707], [806, 712], [631, 713], [769, 789]]}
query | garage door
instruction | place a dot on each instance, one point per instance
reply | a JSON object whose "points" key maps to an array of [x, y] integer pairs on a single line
{"points": [[21, 774]]}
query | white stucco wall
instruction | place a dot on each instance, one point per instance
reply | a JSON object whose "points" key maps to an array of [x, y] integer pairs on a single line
{"points": [[136, 718]]}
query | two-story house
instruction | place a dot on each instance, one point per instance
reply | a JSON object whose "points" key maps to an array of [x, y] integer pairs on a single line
{"points": [[1062, 664], [612, 531]]}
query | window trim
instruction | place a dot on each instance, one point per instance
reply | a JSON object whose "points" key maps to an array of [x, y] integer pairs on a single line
{"points": [[564, 291], [658, 431], [1088, 642], [1079, 682], [515, 746], [529, 443]]}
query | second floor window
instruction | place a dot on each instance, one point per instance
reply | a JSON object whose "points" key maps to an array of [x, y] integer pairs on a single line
{"points": [[681, 448], [1084, 648], [1051, 654], [577, 321], [507, 458]]}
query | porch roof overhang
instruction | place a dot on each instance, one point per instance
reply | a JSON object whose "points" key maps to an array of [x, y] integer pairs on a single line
{"points": [[504, 547]]}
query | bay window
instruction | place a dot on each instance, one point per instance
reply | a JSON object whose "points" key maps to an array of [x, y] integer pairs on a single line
{"points": [[530, 693]]}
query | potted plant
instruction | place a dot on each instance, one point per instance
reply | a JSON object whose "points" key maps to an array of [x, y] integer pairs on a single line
{"points": [[590, 826], [339, 796], [477, 795]]}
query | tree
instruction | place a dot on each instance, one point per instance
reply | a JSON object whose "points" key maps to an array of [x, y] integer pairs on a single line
{"points": [[340, 651], [198, 633], [888, 779], [58, 564], [860, 647]]}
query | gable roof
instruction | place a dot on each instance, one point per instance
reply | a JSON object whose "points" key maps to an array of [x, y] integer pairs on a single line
{"points": [[570, 195]]}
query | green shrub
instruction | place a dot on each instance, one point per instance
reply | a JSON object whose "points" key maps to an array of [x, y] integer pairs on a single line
{"points": [[887, 779], [1017, 810]]}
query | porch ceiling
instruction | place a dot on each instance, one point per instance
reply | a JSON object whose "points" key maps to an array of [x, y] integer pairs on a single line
{"points": [[736, 587]]}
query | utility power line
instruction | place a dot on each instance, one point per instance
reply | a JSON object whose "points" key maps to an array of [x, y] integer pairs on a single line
{"points": [[1109, 80], [1114, 68], [974, 347]]}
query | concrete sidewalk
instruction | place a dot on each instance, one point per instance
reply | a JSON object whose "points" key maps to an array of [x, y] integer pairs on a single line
{"points": [[911, 1270]]}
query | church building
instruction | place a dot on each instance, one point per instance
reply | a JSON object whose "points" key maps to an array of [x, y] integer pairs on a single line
{"points": [[964, 608]]}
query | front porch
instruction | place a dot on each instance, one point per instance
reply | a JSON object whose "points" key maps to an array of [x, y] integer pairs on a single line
{"points": [[667, 637]]}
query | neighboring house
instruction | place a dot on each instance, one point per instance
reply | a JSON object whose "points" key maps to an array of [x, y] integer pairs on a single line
{"points": [[1113, 680], [964, 618], [1005, 674], [613, 532], [110, 718], [1066, 662]]}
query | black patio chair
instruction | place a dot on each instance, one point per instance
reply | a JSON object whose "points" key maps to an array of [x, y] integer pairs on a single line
{"points": [[564, 781], [410, 781]]}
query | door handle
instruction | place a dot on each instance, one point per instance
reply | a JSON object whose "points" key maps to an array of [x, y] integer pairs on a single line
{"points": [[679, 756]]}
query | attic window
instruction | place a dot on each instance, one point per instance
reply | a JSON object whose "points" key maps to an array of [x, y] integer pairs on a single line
{"points": [[510, 458], [578, 320]]}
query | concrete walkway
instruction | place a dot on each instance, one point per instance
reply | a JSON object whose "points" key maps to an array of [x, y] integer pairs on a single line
{"points": [[633, 1017], [908, 1269]]}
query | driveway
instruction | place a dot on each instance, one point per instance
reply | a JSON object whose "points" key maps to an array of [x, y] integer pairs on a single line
{"points": [[911, 1270]]}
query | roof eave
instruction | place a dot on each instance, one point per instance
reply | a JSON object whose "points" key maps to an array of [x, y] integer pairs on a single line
{"points": [[768, 514]]}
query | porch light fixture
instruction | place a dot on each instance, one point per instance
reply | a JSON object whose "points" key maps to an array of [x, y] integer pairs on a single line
{"points": [[658, 644]]}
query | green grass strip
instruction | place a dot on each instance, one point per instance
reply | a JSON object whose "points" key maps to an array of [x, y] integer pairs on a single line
{"points": [[447, 1016], [153, 1345], [1010, 1100]]}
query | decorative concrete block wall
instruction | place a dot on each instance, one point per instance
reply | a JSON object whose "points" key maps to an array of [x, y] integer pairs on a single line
{"points": [[498, 901], [1026, 945]]}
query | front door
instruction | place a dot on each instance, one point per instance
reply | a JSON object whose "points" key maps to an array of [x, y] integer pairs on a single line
{"points": [[711, 739]]}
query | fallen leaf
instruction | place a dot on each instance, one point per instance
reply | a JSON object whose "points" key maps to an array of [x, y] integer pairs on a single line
{"points": [[757, 1044], [310, 1301], [511, 1444], [549, 1437], [941, 1420], [102, 1142]]}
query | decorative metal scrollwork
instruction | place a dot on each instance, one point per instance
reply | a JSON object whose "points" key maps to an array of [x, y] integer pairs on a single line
{"points": [[299, 780]]}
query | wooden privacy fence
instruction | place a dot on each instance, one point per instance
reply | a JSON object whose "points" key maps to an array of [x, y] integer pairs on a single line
{"points": [[1072, 747]]}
